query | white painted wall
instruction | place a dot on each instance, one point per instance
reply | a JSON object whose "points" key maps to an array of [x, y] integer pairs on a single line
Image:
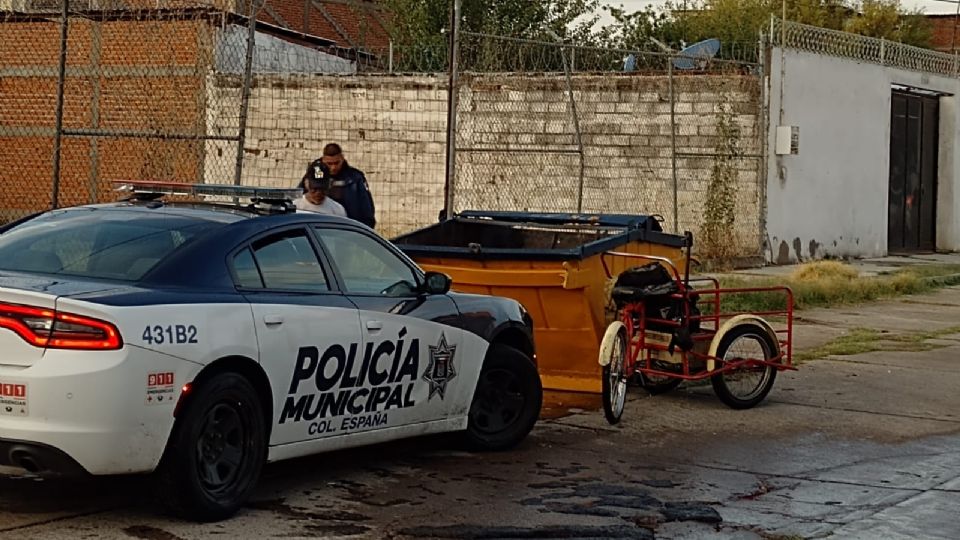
{"points": [[830, 199]]}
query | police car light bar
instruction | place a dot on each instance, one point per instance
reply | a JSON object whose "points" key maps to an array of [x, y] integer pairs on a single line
{"points": [[222, 190]]}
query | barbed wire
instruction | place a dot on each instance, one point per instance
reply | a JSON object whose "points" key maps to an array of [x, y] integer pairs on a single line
{"points": [[869, 49], [487, 52]]}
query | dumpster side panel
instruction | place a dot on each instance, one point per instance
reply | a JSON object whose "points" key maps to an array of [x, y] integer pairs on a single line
{"points": [[564, 328], [568, 340], [568, 300]]}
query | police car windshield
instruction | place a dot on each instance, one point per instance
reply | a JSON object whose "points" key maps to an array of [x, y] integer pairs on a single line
{"points": [[97, 243]]}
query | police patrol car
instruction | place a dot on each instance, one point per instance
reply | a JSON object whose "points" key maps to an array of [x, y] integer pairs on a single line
{"points": [[200, 340]]}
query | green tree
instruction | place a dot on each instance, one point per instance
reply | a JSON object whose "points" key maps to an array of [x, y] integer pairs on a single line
{"points": [[634, 30], [418, 20], [887, 19], [739, 22], [419, 25]]}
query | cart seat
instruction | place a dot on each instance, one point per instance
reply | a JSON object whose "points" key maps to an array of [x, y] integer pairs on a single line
{"points": [[642, 282], [625, 294]]}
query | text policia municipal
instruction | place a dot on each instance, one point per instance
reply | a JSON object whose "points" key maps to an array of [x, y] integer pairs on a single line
{"points": [[382, 380]]}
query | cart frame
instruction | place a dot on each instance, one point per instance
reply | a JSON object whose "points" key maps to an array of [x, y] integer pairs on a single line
{"points": [[646, 351]]}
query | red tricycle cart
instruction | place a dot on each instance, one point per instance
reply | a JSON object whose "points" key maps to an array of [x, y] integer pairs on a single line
{"points": [[667, 331]]}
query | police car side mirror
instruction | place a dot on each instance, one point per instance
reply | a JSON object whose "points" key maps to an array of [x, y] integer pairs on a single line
{"points": [[436, 283]]}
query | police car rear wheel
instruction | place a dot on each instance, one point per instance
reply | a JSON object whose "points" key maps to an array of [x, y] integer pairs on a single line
{"points": [[216, 451], [507, 400]]}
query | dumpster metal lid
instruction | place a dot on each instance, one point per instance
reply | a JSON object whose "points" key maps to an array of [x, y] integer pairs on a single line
{"points": [[606, 220], [619, 230]]}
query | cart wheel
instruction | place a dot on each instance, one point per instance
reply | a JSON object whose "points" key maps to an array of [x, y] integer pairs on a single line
{"points": [[613, 349], [657, 384], [744, 388]]}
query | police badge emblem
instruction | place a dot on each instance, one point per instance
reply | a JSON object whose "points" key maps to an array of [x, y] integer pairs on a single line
{"points": [[440, 369]]}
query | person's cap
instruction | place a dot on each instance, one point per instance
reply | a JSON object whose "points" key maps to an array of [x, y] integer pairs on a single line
{"points": [[312, 182], [318, 175]]}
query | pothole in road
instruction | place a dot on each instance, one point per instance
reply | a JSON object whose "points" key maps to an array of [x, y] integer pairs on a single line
{"points": [[146, 532], [333, 522], [629, 502], [279, 507]]}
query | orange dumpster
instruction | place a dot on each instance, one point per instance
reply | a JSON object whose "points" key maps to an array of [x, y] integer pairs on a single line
{"points": [[550, 263]]}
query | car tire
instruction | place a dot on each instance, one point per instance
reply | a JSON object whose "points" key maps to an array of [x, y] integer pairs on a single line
{"points": [[506, 403], [216, 451]]}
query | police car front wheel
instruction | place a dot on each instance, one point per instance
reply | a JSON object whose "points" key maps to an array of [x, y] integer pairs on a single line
{"points": [[506, 403], [216, 452]]}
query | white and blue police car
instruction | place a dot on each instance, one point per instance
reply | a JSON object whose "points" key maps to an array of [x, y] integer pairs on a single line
{"points": [[197, 341]]}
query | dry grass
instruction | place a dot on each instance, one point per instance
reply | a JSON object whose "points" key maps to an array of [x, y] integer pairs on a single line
{"points": [[864, 340], [824, 270], [831, 283]]}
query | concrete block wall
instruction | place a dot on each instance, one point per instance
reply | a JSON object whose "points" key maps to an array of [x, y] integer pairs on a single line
{"points": [[517, 148], [525, 128], [392, 128]]}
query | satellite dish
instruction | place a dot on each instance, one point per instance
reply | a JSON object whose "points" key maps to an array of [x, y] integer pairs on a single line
{"points": [[696, 55]]}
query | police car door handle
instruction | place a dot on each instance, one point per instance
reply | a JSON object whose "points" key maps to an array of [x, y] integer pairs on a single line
{"points": [[272, 319], [374, 326]]}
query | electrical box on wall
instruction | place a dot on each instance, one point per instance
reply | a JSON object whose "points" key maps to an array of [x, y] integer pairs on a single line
{"points": [[788, 140]]}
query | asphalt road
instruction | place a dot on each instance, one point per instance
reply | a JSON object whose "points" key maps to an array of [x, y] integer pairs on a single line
{"points": [[864, 446]]}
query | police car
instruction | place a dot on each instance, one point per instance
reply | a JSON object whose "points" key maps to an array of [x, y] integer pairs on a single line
{"points": [[201, 340]]}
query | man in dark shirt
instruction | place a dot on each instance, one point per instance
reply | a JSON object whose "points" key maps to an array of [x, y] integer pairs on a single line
{"points": [[348, 186]]}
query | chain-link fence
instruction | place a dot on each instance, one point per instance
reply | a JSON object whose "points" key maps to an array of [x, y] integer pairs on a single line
{"points": [[171, 91], [380, 106], [550, 127], [126, 99]]}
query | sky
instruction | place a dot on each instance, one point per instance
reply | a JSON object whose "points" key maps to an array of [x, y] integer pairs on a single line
{"points": [[928, 6]]}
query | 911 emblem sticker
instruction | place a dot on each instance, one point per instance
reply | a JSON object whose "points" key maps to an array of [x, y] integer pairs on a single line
{"points": [[160, 388], [13, 399], [440, 370]]}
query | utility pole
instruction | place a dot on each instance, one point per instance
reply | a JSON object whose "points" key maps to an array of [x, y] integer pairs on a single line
{"points": [[452, 89]]}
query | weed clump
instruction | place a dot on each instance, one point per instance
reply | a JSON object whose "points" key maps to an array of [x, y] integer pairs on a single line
{"points": [[824, 270]]}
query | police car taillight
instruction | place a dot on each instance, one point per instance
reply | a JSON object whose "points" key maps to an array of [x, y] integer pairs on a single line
{"points": [[57, 330]]}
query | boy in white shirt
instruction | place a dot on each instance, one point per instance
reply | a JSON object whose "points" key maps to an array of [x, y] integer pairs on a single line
{"points": [[315, 197]]}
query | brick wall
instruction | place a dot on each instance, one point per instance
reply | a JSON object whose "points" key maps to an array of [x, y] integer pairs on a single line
{"points": [[942, 29], [124, 76], [516, 143]]}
